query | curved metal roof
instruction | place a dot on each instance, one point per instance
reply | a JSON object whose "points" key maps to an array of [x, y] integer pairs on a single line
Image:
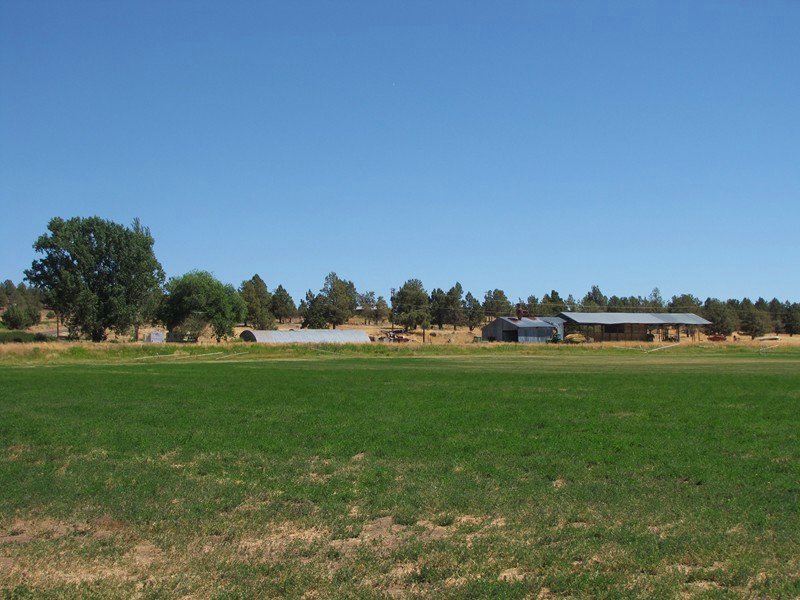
{"points": [[306, 336]]}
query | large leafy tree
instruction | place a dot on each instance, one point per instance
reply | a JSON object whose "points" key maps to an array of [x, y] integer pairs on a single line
{"points": [[198, 300], [410, 305], [340, 298], [97, 275], [258, 300], [282, 304], [474, 311]]}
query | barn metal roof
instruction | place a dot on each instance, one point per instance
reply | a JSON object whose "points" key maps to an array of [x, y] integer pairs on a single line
{"points": [[625, 318], [306, 336], [526, 323], [683, 319], [553, 320]]}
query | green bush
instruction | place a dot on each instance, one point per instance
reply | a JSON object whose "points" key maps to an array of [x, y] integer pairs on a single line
{"points": [[16, 336], [21, 316]]}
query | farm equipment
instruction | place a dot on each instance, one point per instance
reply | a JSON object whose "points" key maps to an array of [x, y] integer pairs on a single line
{"points": [[394, 335]]}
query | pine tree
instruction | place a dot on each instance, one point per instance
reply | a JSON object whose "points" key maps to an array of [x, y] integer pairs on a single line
{"points": [[282, 306], [382, 310], [258, 300], [474, 311], [410, 306], [340, 298], [313, 311], [454, 303], [438, 307]]}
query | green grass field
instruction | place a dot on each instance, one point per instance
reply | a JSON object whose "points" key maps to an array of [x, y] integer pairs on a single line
{"points": [[550, 473]]}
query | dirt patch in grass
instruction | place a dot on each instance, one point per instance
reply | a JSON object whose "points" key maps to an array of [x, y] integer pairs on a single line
{"points": [[511, 575], [106, 527], [15, 451], [433, 531], [699, 587], [470, 520], [276, 542], [23, 531], [380, 533], [663, 530], [386, 535], [145, 554]]}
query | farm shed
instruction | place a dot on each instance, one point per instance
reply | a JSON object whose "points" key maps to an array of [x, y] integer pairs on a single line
{"points": [[556, 322], [632, 327], [306, 336], [522, 329]]}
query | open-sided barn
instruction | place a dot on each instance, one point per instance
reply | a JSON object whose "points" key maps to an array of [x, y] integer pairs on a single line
{"points": [[625, 326], [306, 336], [522, 329]]}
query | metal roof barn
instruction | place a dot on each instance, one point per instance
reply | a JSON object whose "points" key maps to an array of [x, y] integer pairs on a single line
{"points": [[556, 322], [627, 326], [523, 330], [625, 318], [306, 336]]}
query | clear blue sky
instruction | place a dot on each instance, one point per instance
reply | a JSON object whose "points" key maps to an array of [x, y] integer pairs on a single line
{"points": [[525, 146]]}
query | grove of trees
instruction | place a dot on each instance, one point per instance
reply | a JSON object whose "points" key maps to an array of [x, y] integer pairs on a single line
{"points": [[23, 305], [98, 276]]}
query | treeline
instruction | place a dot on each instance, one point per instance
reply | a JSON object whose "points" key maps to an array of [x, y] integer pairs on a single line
{"points": [[98, 276], [23, 305]]}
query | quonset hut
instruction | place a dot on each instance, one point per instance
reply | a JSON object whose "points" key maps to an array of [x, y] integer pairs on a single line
{"points": [[306, 336], [519, 329]]}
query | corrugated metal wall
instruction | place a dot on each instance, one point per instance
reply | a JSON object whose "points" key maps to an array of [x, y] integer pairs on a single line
{"points": [[493, 332], [535, 335]]}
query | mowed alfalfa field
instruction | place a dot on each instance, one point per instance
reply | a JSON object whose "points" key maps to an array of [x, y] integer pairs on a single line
{"points": [[351, 473]]}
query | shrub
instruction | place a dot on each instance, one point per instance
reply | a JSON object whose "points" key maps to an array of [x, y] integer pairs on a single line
{"points": [[15, 317], [16, 336]]}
